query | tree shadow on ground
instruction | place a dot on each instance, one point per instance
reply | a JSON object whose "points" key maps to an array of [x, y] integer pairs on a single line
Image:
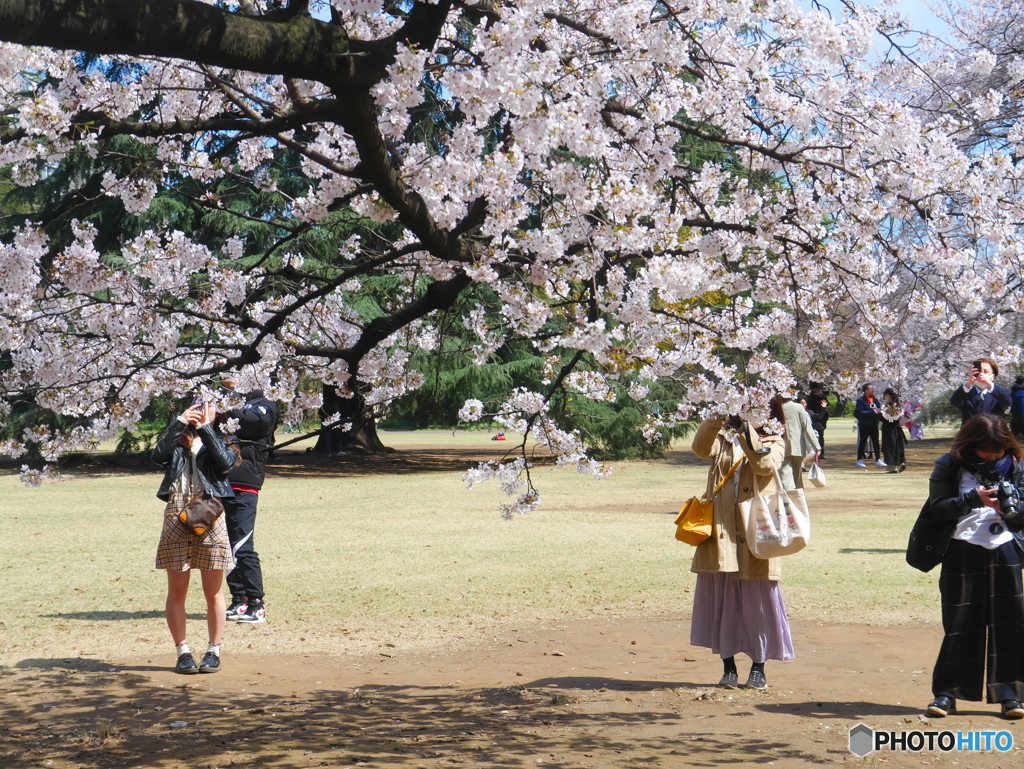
{"points": [[114, 616], [847, 711], [78, 712], [409, 461], [302, 464]]}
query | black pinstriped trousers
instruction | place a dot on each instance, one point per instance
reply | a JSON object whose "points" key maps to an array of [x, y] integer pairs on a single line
{"points": [[983, 617]]}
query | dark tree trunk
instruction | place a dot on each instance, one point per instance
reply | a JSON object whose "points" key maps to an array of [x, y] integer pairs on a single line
{"points": [[361, 439]]}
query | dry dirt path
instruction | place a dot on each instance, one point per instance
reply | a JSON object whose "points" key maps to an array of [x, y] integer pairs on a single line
{"points": [[609, 692]]}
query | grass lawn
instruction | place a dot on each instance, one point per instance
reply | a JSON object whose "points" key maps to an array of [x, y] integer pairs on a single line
{"points": [[357, 562]]}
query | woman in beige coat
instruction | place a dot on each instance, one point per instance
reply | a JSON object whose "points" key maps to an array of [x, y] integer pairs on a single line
{"points": [[737, 605]]}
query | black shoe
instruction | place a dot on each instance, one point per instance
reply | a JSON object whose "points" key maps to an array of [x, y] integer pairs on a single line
{"points": [[237, 608], [254, 614], [756, 679], [1012, 709], [942, 706], [210, 663], [186, 664], [730, 680]]}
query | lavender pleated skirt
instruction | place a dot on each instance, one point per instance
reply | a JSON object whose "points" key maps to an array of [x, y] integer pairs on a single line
{"points": [[733, 615]]}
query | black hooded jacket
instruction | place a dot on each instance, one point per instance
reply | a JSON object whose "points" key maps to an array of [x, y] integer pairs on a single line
{"points": [[257, 420]]}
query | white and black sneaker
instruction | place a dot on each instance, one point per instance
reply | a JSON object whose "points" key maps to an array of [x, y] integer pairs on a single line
{"points": [[237, 608], [254, 614]]}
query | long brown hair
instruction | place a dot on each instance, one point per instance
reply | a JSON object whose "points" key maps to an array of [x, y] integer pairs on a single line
{"points": [[987, 432], [775, 409]]}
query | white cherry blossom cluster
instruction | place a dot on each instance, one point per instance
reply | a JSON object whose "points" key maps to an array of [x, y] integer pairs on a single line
{"points": [[669, 191], [510, 477]]}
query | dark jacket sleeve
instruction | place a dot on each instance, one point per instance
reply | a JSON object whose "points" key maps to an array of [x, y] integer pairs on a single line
{"points": [[1003, 399], [959, 397], [221, 457], [944, 497], [161, 453]]}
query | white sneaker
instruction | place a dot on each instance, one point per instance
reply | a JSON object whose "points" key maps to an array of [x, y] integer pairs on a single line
{"points": [[880, 463], [860, 463]]}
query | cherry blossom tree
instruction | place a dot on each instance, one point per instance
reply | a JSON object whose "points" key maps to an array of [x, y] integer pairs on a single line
{"points": [[654, 190]]}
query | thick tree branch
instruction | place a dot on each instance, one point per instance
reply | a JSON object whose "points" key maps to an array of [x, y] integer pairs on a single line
{"points": [[184, 29]]}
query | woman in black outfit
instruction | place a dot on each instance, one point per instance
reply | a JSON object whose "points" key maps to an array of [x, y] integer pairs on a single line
{"points": [[894, 441], [980, 583]]}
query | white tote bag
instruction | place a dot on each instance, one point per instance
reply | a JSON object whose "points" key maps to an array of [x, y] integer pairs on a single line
{"points": [[777, 523], [816, 475]]}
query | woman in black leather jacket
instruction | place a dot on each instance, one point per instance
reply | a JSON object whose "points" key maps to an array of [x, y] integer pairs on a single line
{"points": [[980, 583], [197, 460]]}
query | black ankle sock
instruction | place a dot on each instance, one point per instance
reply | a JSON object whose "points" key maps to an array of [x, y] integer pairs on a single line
{"points": [[730, 664], [757, 666]]}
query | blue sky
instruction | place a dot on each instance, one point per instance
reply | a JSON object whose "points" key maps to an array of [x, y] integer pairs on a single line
{"points": [[920, 17]]}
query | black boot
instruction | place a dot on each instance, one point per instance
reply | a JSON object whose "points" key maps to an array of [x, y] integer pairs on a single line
{"points": [[731, 677]]}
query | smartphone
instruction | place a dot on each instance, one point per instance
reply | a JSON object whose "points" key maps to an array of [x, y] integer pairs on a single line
{"points": [[197, 400]]}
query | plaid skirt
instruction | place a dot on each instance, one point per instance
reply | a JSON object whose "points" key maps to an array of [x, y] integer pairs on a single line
{"points": [[180, 549], [982, 653]]}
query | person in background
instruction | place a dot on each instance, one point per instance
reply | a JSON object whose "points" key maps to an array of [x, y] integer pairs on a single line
{"points": [[801, 443], [255, 433], [1017, 406], [894, 441], [867, 413], [980, 582], [737, 603], [980, 394], [817, 407], [915, 426], [197, 460]]}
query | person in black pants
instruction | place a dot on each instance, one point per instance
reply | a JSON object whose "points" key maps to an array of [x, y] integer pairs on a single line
{"points": [[867, 414], [894, 440], [257, 420], [982, 653], [817, 407]]}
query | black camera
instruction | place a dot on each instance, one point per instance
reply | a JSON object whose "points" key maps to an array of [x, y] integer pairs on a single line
{"points": [[1009, 499]]}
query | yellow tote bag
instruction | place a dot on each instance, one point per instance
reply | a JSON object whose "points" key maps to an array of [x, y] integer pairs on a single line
{"points": [[693, 524]]}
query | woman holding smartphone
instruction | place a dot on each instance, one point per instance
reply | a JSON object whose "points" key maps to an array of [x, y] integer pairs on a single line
{"points": [[196, 459], [737, 603]]}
